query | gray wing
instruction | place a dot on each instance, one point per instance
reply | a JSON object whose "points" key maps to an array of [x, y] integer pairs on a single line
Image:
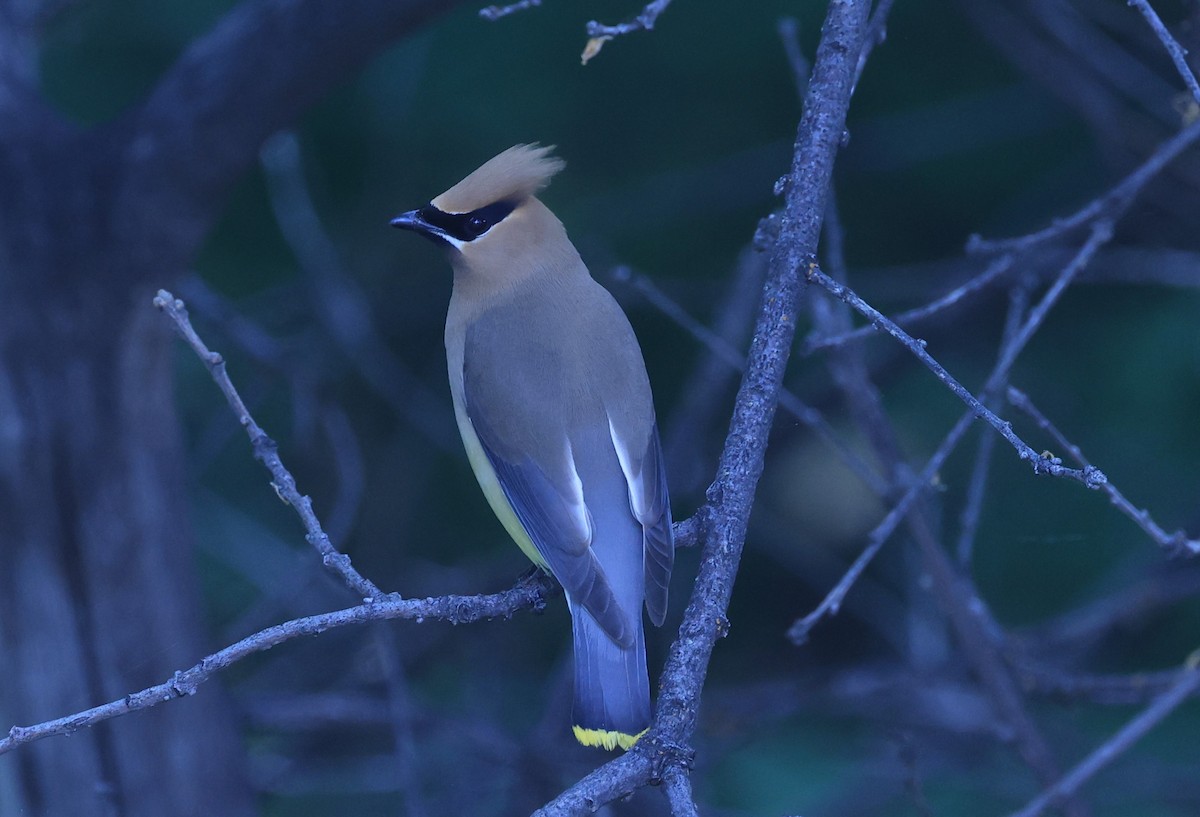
{"points": [[542, 488]]}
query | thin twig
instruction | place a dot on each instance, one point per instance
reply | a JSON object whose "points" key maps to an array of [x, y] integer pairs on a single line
{"points": [[994, 272], [530, 592], [1177, 542], [724, 351], [1106, 690], [642, 22], [876, 35], [788, 29], [1115, 746], [1090, 477], [493, 13], [1174, 49], [1111, 202], [266, 452], [977, 486]]}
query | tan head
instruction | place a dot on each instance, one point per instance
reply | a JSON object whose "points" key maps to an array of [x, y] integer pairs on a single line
{"points": [[492, 222]]}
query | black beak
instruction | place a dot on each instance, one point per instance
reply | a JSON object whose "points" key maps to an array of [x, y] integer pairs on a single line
{"points": [[411, 221], [418, 223]]}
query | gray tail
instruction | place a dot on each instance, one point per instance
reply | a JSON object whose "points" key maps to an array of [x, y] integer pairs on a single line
{"points": [[612, 689]]}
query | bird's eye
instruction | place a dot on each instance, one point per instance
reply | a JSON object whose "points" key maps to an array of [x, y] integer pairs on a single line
{"points": [[478, 225]]}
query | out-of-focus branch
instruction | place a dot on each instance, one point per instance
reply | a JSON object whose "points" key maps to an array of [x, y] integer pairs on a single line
{"points": [[185, 148], [707, 391], [876, 35], [339, 302], [18, 51], [1117, 745], [1107, 690], [1108, 205], [1084, 628], [1018, 303]]}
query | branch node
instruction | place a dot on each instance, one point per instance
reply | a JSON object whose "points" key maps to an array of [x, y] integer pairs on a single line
{"points": [[279, 493], [664, 755], [1094, 478]]}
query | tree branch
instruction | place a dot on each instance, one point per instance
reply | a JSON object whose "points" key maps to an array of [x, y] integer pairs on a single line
{"points": [[731, 496], [1177, 542], [1091, 477], [1115, 746], [677, 786], [724, 351], [1108, 205], [644, 21], [494, 13], [530, 592], [1174, 49], [267, 452]]}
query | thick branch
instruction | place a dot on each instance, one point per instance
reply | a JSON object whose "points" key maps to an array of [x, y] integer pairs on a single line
{"points": [[732, 495]]}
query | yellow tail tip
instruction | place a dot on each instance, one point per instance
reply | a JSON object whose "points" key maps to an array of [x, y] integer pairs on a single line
{"points": [[606, 738]]}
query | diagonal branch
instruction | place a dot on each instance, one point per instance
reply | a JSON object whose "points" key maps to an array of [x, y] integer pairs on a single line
{"points": [[1174, 49], [1108, 205], [1177, 542], [732, 494], [266, 452], [1118, 744]]}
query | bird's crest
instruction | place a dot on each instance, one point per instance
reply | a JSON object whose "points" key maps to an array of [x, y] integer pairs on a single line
{"points": [[515, 174]]}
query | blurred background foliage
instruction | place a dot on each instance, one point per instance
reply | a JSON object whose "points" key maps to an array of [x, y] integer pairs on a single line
{"points": [[674, 140]]}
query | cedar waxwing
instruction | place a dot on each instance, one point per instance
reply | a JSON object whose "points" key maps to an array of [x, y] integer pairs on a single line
{"points": [[553, 403]]}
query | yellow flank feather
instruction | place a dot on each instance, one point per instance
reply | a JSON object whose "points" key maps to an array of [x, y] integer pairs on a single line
{"points": [[606, 738], [492, 490]]}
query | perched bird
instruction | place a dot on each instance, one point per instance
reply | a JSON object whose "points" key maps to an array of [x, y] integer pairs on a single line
{"points": [[554, 406]]}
